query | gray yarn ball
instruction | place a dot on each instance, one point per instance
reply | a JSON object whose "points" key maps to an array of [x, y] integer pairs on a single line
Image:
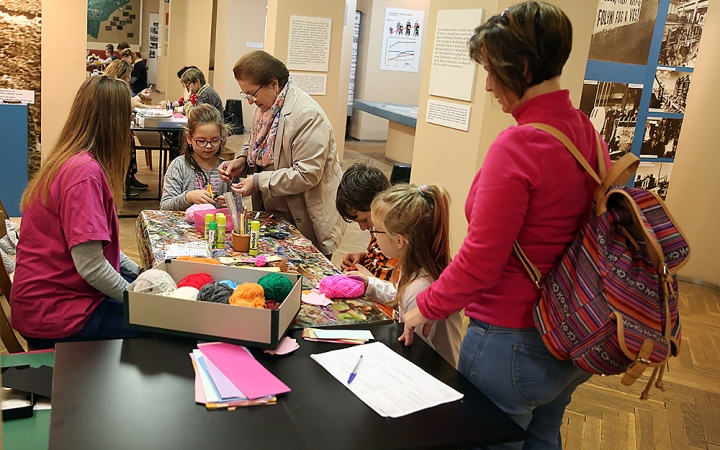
{"points": [[216, 292]]}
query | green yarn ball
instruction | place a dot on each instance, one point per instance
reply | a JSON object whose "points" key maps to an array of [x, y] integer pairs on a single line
{"points": [[277, 287]]}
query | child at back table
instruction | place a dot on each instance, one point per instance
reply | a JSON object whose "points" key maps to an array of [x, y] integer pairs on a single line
{"points": [[193, 178], [359, 186], [412, 224]]}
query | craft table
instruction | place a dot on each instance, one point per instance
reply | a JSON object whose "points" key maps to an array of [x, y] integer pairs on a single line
{"points": [[139, 393], [156, 230]]}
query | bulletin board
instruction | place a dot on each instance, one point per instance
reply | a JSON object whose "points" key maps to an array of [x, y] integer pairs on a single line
{"points": [[641, 59]]}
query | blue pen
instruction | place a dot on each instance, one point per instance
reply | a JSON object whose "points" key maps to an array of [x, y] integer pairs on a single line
{"points": [[354, 372]]}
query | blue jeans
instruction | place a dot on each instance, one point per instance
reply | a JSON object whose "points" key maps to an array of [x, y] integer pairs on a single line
{"points": [[107, 321], [517, 372]]}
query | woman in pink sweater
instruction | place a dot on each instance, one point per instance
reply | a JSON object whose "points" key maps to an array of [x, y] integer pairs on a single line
{"points": [[530, 189]]}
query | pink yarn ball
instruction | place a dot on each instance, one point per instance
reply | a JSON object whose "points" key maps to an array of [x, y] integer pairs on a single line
{"points": [[190, 212], [260, 261], [341, 286]]}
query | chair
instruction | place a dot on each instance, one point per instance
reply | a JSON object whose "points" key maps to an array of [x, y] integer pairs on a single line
{"points": [[6, 332]]}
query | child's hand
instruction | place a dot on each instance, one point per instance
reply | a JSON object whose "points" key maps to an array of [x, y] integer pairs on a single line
{"points": [[350, 260], [358, 274], [199, 196], [412, 319]]}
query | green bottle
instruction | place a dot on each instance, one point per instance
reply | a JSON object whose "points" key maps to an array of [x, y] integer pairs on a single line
{"points": [[212, 234], [221, 221]]}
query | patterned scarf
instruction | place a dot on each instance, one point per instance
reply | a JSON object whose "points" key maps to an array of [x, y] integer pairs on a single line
{"points": [[264, 131]]}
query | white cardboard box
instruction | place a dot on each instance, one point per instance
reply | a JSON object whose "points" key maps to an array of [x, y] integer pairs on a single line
{"points": [[255, 327]]}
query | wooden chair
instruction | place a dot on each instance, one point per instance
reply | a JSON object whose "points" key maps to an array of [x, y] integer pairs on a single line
{"points": [[6, 332]]}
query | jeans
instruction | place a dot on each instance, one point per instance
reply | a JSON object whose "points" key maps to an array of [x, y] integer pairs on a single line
{"points": [[107, 321], [517, 372]]}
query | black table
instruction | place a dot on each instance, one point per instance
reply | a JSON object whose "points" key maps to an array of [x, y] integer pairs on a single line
{"points": [[137, 394]]}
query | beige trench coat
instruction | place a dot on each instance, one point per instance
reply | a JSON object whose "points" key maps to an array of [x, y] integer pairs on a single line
{"points": [[307, 170]]}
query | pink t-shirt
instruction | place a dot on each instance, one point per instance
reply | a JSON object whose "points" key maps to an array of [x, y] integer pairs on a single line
{"points": [[529, 188], [49, 298]]}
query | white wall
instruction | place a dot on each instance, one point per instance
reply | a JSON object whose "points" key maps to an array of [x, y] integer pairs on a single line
{"points": [[373, 84], [238, 23]]}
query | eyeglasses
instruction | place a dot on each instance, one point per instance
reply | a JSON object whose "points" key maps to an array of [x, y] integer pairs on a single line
{"points": [[215, 143], [251, 97], [374, 232]]}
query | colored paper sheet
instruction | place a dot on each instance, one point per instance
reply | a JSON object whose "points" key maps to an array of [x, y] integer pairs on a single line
{"points": [[287, 345], [199, 391], [343, 334], [211, 394], [243, 370], [314, 298], [224, 386]]}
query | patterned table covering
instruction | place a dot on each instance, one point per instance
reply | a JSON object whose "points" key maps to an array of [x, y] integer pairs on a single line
{"points": [[156, 230]]}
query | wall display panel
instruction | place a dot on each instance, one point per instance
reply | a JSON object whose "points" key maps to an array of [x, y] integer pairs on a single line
{"points": [[402, 40], [20, 34], [114, 21], [665, 69]]}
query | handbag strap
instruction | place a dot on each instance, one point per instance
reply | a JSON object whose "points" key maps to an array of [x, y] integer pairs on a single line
{"points": [[531, 269]]}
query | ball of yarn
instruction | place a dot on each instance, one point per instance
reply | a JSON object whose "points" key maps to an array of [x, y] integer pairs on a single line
{"points": [[190, 212], [341, 286], [196, 280], [217, 292], [276, 286], [185, 293], [154, 281], [260, 261], [229, 283], [198, 259], [248, 294]]}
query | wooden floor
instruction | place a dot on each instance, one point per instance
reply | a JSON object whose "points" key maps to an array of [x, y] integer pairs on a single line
{"points": [[603, 414]]}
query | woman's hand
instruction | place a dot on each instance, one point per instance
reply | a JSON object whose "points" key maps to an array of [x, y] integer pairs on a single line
{"points": [[358, 274], [230, 169], [245, 188], [199, 196], [145, 93], [412, 319], [350, 260], [221, 201]]}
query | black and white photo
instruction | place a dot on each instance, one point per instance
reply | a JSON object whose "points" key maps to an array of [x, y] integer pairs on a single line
{"points": [[623, 31], [661, 137], [654, 177], [683, 29], [613, 110], [670, 90]]}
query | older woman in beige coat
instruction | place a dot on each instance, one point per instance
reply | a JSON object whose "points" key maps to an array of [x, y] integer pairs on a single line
{"points": [[291, 152]]}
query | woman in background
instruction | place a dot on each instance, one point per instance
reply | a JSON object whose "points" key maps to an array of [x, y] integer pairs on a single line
{"points": [[291, 155]]}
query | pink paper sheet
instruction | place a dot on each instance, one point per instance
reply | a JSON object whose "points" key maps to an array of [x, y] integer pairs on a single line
{"points": [[243, 370], [315, 298]]}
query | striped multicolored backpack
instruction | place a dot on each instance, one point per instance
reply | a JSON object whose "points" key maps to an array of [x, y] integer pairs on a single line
{"points": [[611, 305]]}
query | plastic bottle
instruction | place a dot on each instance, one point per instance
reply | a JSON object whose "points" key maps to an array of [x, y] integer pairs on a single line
{"points": [[221, 221], [254, 236], [212, 234], [209, 218]]}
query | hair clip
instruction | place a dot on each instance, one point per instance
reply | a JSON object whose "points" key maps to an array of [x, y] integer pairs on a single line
{"points": [[506, 13], [422, 189]]}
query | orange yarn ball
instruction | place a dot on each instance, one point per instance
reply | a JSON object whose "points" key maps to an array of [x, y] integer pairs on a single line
{"points": [[248, 294]]}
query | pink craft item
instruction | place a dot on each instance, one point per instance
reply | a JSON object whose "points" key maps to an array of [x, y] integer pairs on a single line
{"points": [[190, 212], [341, 286], [200, 219]]}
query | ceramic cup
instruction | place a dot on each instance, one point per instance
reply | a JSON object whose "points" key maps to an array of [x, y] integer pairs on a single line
{"points": [[241, 242]]}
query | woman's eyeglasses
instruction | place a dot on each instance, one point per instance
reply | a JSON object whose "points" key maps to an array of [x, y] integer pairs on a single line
{"points": [[215, 143], [374, 232], [251, 97]]}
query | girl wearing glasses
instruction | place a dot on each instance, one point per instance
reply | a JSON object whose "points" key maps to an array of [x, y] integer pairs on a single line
{"points": [[194, 177], [291, 159], [412, 223]]}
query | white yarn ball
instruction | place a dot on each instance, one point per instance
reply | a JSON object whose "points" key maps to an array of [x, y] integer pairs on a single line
{"points": [[185, 293], [154, 281]]}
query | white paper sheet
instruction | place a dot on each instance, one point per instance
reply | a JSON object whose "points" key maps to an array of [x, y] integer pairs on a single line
{"points": [[343, 334], [388, 383]]}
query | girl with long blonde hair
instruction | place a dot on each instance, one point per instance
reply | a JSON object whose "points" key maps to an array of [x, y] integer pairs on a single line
{"points": [[68, 277], [412, 223]]}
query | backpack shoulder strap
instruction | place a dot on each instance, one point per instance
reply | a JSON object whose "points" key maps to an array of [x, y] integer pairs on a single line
{"points": [[559, 135]]}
